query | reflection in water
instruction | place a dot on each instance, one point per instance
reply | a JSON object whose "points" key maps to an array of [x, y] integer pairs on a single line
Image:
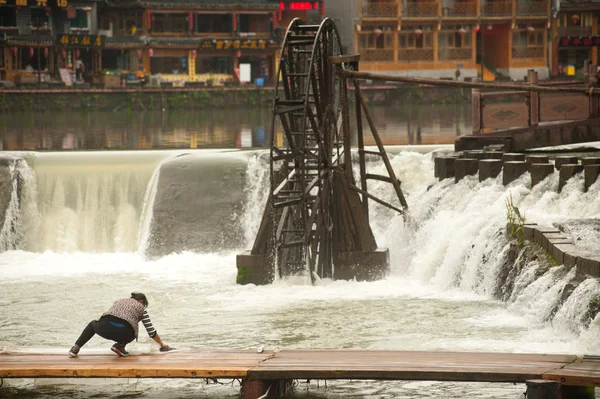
{"points": [[223, 128]]}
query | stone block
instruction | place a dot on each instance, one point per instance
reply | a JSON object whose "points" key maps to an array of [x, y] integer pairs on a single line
{"points": [[539, 171], [254, 269], [589, 264], [560, 161], [536, 159], [542, 389], [446, 167], [362, 266], [473, 154], [489, 168], [436, 164], [591, 173], [513, 170], [566, 172], [590, 161], [539, 234], [492, 155], [528, 230], [465, 167], [513, 156]]}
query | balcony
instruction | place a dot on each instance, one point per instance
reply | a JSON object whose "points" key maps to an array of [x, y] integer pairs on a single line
{"points": [[574, 31], [377, 55], [380, 9], [532, 8], [422, 8], [496, 8], [455, 54], [528, 52], [415, 54], [464, 8]]}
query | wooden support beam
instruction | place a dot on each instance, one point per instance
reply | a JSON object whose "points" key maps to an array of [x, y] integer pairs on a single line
{"points": [[534, 99], [361, 147], [476, 111], [453, 83]]}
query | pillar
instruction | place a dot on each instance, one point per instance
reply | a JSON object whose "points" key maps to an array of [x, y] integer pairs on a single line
{"points": [[591, 173], [590, 161], [542, 389], [513, 170], [465, 167], [560, 161], [446, 167], [539, 171], [476, 109], [566, 172], [489, 168]]}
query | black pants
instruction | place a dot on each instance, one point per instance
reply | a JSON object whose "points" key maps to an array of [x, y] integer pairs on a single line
{"points": [[108, 327]]}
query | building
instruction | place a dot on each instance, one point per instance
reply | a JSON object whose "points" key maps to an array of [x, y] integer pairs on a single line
{"points": [[575, 36], [450, 38]]}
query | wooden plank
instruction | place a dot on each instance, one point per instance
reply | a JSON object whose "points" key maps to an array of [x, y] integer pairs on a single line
{"points": [[311, 364]]}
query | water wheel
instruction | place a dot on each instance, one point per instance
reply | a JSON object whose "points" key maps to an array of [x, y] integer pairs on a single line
{"points": [[315, 220]]}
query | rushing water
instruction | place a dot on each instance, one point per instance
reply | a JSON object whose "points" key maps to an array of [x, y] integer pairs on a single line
{"points": [[221, 128], [439, 296]]}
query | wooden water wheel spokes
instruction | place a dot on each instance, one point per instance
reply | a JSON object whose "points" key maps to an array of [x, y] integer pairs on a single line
{"points": [[308, 150]]}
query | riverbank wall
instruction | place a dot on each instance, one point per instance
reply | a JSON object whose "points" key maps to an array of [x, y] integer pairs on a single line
{"points": [[47, 100]]}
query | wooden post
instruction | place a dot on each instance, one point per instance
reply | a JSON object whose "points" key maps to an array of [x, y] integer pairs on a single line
{"points": [[534, 99], [476, 109], [593, 79], [258, 389], [346, 127], [361, 148], [542, 389]]}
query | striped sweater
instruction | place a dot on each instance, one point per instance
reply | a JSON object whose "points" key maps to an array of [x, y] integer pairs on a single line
{"points": [[132, 312]]}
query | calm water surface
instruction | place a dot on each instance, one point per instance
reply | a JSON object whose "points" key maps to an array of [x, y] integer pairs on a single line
{"points": [[221, 128]]}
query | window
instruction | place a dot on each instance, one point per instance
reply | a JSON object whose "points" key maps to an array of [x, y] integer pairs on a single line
{"points": [[213, 23], [132, 23], [454, 37], [81, 20], [39, 18], [415, 36], [169, 65], [214, 65], [170, 23], [8, 17], [528, 37], [258, 23]]}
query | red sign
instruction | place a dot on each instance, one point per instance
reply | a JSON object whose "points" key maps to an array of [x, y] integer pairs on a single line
{"points": [[299, 5]]}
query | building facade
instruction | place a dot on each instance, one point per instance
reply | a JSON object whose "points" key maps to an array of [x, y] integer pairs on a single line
{"points": [[575, 36], [454, 38], [113, 42]]}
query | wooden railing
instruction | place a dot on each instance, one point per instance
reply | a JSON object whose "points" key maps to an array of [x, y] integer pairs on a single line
{"points": [[465, 8], [377, 55], [422, 8], [532, 7], [380, 9], [575, 31], [491, 111], [528, 52], [415, 54], [496, 8], [455, 53]]}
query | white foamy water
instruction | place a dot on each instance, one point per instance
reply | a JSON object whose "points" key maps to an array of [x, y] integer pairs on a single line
{"points": [[442, 293]]}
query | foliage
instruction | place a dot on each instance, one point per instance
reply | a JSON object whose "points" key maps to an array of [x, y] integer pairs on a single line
{"points": [[516, 222], [243, 276]]}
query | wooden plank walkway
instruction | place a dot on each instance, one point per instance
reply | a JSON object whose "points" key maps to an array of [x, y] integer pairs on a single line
{"points": [[311, 364]]}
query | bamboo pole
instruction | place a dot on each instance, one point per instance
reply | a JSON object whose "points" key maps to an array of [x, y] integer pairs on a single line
{"points": [[452, 83]]}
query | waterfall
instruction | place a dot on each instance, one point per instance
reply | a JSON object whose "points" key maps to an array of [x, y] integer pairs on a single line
{"points": [[144, 230], [92, 202]]}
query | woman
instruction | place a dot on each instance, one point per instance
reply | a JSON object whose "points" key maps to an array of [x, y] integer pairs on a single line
{"points": [[120, 324]]}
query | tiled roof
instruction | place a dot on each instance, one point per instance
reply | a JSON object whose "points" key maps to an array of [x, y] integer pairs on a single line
{"points": [[271, 5]]}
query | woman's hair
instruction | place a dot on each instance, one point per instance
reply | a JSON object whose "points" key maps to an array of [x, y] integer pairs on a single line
{"points": [[138, 296]]}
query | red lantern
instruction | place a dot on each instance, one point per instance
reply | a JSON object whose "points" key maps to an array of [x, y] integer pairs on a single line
{"points": [[238, 54], [234, 16], [46, 52], [151, 52], [31, 52], [77, 53], [15, 51], [194, 53], [64, 53], [139, 53]]}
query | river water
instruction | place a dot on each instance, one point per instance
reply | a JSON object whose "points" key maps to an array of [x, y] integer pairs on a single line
{"points": [[439, 295]]}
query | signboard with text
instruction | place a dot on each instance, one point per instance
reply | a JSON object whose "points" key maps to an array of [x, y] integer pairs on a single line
{"points": [[241, 44], [586, 41], [81, 41], [36, 3]]}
